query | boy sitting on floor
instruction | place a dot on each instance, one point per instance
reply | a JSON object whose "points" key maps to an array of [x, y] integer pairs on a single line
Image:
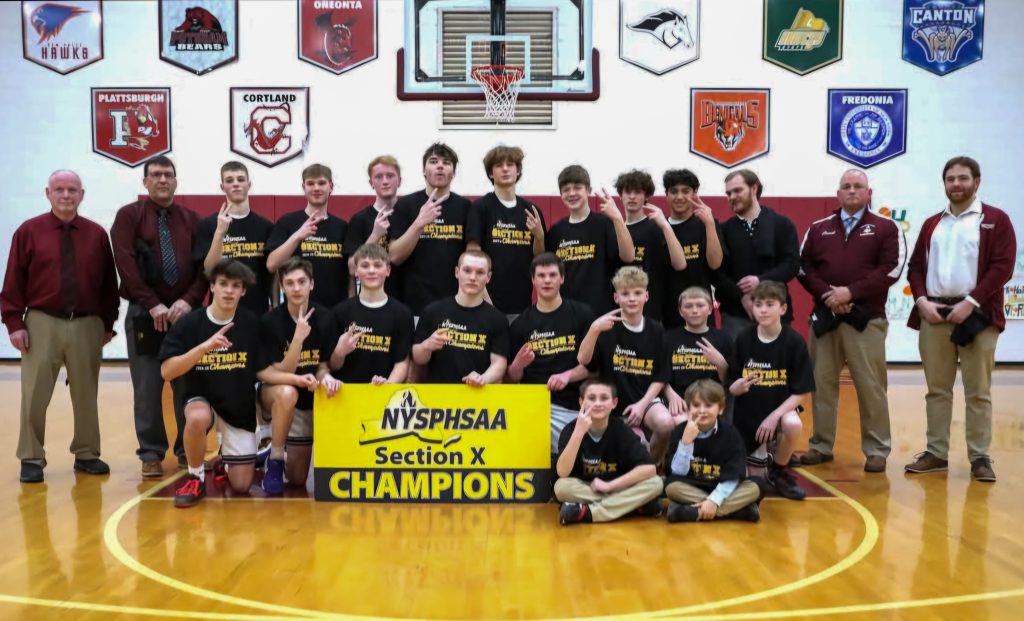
{"points": [[707, 462]]}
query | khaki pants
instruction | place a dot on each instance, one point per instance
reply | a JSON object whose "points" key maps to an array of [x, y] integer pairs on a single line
{"points": [[939, 358], [744, 494], [864, 354], [77, 345], [608, 507]]}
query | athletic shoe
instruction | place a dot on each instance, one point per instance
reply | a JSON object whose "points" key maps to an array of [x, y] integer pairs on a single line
{"points": [[152, 469], [651, 509], [574, 513], [926, 462], [749, 513], [262, 455], [31, 473], [681, 513], [191, 492], [92, 466], [273, 478], [784, 483], [182, 462], [814, 457], [874, 463], [981, 470]]}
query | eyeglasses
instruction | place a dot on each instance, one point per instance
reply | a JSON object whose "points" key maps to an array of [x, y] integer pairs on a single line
{"points": [[161, 175]]}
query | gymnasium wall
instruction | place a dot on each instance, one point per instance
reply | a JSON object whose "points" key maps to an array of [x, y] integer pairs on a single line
{"points": [[641, 120]]}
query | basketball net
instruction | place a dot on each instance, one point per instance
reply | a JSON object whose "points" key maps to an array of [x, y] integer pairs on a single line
{"points": [[500, 84]]}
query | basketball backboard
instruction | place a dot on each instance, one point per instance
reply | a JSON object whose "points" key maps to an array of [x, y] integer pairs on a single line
{"points": [[551, 40]]}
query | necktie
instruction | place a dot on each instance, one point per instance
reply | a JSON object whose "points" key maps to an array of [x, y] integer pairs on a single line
{"points": [[170, 267], [68, 284], [849, 223]]}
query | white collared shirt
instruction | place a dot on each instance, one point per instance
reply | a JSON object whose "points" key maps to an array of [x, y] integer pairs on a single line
{"points": [[953, 253]]}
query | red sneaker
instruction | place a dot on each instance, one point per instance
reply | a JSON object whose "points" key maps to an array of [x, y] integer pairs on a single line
{"points": [[190, 493]]}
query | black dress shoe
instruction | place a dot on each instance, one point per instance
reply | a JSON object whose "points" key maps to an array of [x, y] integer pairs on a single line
{"points": [[92, 466], [31, 473]]}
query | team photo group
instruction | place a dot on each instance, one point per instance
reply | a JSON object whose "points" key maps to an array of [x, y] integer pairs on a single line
{"points": [[612, 308]]}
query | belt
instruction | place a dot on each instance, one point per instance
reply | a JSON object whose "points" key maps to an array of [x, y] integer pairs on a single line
{"points": [[945, 300], [58, 314]]}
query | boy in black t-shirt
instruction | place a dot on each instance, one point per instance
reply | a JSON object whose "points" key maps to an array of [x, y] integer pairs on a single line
{"points": [[315, 236], [237, 232], [603, 470], [508, 228], [546, 338], [705, 473], [428, 232], [376, 329], [591, 245], [698, 234], [694, 350], [371, 224], [771, 377], [219, 353], [657, 250], [628, 348], [298, 337], [463, 339]]}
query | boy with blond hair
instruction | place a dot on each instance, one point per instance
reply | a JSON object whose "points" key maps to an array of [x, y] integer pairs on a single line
{"points": [[627, 348]]}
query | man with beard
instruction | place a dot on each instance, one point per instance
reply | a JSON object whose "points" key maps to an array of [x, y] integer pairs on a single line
{"points": [[759, 244], [963, 257]]}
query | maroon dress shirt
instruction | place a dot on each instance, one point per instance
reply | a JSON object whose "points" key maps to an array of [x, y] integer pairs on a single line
{"points": [[33, 279]]}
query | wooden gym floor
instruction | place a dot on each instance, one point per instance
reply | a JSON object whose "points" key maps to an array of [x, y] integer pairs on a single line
{"points": [[886, 546]]}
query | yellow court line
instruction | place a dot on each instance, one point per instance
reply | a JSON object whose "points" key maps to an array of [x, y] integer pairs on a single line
{"points": [[867, 543], [114, 546], [855, 608], [117, 550], [131, 610]]}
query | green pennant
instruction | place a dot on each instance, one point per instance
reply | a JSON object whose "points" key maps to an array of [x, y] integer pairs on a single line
{"points": [[803, 35]]}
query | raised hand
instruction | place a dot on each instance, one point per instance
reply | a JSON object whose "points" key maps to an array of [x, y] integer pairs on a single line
{"points": [[437, 340], [349, 339], [381, 224], [308, 227], [608, 206], [606, 321], [691, 431], [583, 421], [302, 325], [218, 340], [429, 211], [701, 210], [743, 384], [223, 220], [534, 224], [655, 214], [714, 356], [524, 356]]}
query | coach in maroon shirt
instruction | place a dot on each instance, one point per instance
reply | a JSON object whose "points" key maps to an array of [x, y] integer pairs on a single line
{"points": [[59, 303], [848, 261], [152, 241]]}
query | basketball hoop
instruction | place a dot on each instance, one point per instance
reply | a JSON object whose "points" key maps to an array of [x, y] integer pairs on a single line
{"points": [[500, 84]]}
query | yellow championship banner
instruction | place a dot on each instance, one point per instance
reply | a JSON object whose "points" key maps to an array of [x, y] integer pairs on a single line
{"points": [[433, 443]]}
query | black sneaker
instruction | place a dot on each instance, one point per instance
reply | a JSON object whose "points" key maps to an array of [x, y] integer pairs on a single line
{"points": [[651, 509], [190, 493], [574, 513], [749, 513], [784, 483], [92, 466], [31, 473], [681, 513]]}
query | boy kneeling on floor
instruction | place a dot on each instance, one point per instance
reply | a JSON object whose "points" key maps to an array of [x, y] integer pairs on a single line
{"points": [[706, 464], [604, 471]]}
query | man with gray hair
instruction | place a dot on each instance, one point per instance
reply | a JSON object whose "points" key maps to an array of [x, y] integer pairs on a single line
{"points": [[59, 303], [848, 261]]}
